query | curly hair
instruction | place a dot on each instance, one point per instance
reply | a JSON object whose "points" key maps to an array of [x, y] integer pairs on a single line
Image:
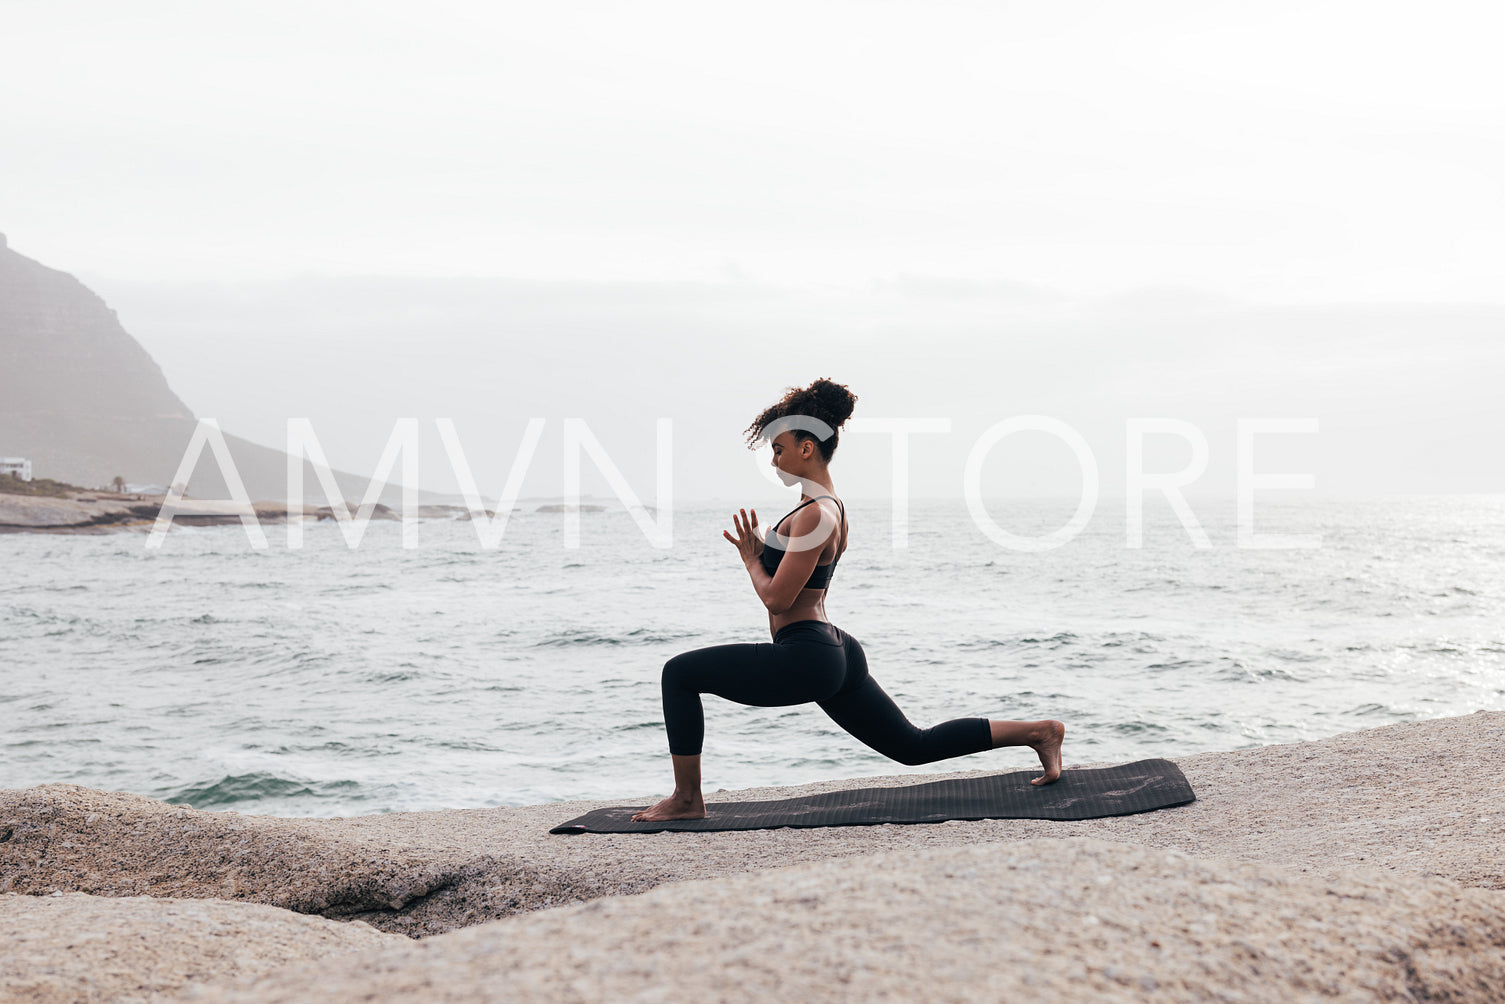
{"points": [[830, 402]]}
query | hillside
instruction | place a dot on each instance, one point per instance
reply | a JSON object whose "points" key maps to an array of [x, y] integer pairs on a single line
{"points": [[85, 402]]}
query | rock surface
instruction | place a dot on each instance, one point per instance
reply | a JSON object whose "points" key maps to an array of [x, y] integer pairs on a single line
{"points": [[1046, 919], [1418, 797], [75, 947], [96, 512], [99, 514]]}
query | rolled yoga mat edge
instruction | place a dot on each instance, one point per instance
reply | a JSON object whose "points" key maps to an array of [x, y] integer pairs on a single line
{"points": [[1079, 793]]}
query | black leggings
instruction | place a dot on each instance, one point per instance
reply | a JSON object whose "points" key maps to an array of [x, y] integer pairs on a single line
{"points": [[807, 661]]}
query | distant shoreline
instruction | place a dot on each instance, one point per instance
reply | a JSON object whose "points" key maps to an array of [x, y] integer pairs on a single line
{"points": [[93, 513]]}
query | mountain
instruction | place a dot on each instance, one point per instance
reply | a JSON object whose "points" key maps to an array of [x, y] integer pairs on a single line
{"points": [[85, 402]]}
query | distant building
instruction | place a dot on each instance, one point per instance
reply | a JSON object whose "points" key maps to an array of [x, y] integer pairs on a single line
{"points": [[19, 466]]}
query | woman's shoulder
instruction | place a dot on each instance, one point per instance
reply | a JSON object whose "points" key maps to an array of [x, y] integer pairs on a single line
{"points": [[831, 504], [817, 514]]}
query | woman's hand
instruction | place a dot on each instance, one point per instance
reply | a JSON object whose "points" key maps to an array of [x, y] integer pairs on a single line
{"points": [[749, 543]]}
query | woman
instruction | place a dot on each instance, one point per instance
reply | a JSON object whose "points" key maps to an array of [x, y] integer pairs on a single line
{"points": [[810, 659]]}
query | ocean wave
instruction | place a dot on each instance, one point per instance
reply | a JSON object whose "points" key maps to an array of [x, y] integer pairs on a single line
{"points": [[1058, 640], [46, 617], [1175, 664], [1156, 585], [651, 725], [255, 787], [1236, 671], [1372, 710], [391, 676], [468, 745], [1138, 728], [638, 636], [1116, 639]]}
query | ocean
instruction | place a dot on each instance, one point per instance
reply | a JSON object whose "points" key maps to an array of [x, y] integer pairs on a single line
{"points": [[330, 681]]}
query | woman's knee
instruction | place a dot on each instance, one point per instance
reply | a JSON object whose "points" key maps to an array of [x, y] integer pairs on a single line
{"points": [[904, 749], [911, 753], [679, 669]]}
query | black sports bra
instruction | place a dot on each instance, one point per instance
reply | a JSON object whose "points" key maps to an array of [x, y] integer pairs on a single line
{"points": [[820, 576]]}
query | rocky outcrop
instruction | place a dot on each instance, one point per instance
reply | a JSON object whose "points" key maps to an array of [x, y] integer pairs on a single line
{"points": [[62, 837], [94, 512], [1056, 919], [21, 513], [1367, 866], [97, 512], [1421, 798], [378, 511], [74, 947]]}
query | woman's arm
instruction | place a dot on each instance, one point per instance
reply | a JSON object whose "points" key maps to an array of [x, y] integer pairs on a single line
{"points": [[809, 529]]}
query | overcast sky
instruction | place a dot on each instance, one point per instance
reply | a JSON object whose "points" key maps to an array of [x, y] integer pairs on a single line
{"points": [[1094, 211]]}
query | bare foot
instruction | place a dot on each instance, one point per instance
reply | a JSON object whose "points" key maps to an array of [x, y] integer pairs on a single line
{"points": [[1049, 749], [676, 806]]}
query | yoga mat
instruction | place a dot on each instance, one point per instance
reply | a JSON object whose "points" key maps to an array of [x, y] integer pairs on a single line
{"points": [[1079, 793]]}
